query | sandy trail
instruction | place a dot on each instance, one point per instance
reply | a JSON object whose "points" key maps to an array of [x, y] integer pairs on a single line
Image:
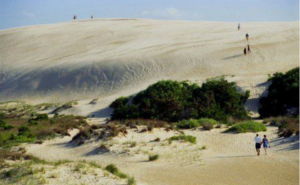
{"points": [[228, 159]]}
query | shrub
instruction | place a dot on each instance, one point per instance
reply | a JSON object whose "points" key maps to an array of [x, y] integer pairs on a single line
{"points": [[2, 123], [131, 181], [25, 131], [248, 126], [187, 124], [42, 117], [32, 122], [207, 123], [8, 127], [173, 101], [114, 170], [283, 95], [186, 138], [287, 126], [153, 157]]}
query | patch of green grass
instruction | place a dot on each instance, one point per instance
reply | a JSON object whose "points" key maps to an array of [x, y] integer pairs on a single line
{"points": [[186, 138], [131, 181], [248, 126], [114, 170], [153, 157]]}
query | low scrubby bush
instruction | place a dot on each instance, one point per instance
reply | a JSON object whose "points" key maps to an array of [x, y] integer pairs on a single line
{"points": [[287, 126], [187, 124], [207, 123], [153, 157], [114, 170], [186, 138], [42, 117], [248, 126]]}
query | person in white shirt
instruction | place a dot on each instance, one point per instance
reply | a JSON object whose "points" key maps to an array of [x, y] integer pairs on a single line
{"points": [[258, 142]]}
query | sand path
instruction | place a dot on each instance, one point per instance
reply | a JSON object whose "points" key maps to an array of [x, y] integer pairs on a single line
{"points": [[228, 159]]}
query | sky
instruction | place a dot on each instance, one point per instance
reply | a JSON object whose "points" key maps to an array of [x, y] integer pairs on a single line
{"points": [[18, 13]]}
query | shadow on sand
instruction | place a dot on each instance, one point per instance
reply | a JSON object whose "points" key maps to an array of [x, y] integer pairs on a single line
{"points": [[232, 57]]}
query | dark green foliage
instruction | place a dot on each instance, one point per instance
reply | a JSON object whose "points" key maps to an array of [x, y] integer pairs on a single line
{"points": [[2, 123], [4, 126], [153, 157], [32, 122], [248, 126], [25, 131], [114, 170], [186, 138], [174, 101], [2, 115], [42, 117], [187, 124], [283, 95]]}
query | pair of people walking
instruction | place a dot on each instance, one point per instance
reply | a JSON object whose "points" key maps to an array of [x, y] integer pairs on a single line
{"points": [[247, 50], [259, 141]]}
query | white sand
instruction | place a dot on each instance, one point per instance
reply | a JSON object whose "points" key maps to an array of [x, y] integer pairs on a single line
{"points": [[106, 59], [228, 158]]}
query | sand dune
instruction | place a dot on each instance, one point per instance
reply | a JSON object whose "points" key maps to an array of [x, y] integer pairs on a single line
{"points": [[106, 59]]}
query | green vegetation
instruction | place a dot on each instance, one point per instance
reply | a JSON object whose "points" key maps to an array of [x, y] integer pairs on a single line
{"points": [[283, 95], [14, 131], [153, 157], [207, 123], [248, 126], [114, 170], [186, 138], [287, 126], [173, 101], [131, 181], [187, 124]]}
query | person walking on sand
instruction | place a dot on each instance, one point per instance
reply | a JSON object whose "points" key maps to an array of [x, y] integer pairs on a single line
{"points": [[258, 142], [239, 26], [245, 51], [92, 17], [247, 36], [249, 50], [265, 142]]}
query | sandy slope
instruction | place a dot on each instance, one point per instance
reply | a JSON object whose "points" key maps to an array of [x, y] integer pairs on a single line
{"points": [[228, 160], [105, 59]]}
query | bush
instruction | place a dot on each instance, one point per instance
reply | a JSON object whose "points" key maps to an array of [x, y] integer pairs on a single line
{"points": [[42, 117], [207, 123], [114, 170], [32, 122], [287, 126], [249, 126], [131, 181], [153, 157], [283, 95], [2, 123], [173, 101], [187, 124], [186, 138], [25, 132]]}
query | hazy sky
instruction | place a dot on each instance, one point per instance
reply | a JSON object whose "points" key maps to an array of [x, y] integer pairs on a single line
{"points": [[16, 13]]}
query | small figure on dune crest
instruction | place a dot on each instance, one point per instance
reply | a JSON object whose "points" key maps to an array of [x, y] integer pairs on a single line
{"points": [[239, 26], [92, 17], [245, 51], [247, 36], [265, 143], [75, 17], [258, 142]]}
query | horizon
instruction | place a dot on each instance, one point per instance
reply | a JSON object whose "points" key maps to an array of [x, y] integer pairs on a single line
{"points": [[23, 13]]}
